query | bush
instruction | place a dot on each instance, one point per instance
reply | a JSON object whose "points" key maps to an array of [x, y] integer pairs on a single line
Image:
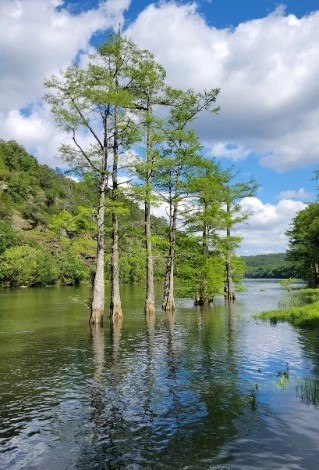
{"points": [[27, 266], [8, 236], [72, 270]]}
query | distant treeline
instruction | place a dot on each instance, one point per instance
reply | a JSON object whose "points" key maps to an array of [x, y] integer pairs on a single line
{"points": [[274, 265]]}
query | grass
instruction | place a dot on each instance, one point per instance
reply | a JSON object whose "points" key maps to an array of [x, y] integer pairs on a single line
{"points": [[306, 314]]}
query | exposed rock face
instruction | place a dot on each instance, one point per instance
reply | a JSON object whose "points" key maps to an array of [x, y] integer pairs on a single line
{"points": [[19, 222]]}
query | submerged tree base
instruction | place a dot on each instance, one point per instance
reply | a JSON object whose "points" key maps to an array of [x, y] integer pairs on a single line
{"points": [[96, 317], [169, 305], [116, 312], [202, 301], [149, 308], [230, 298]]}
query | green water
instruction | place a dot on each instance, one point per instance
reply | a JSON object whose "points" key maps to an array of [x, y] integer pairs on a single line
{"points": [[204, 388]]}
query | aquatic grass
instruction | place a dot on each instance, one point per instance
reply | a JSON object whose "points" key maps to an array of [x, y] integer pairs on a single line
{"points": [[308, 391], [305, 315], [300, 309], [291, 301]]}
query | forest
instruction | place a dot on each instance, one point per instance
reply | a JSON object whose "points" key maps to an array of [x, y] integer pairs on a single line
{"points": [[270, 266]]}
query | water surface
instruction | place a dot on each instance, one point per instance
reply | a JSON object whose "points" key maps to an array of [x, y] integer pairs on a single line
{"points": [[200, 389]]}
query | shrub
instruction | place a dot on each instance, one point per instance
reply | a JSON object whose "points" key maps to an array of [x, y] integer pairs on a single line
{"points": [[27, 266], [72, 270], [8, 236]]}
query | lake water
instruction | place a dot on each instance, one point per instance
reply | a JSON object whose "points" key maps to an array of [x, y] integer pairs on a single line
{"points": [[202, 389]]}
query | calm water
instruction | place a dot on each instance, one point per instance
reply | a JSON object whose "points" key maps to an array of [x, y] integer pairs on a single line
{"points": [[202, 389]]}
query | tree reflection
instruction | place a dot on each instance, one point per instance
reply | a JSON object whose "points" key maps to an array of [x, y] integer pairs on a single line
{"points": [[97, 400], [106, 405], [115, 335]]}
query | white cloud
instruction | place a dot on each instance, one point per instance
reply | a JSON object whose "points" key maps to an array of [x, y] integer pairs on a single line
{"points": [[36, 132], [300, 194], [267, 70], [37, 39], [264, 231], [232, 151]]}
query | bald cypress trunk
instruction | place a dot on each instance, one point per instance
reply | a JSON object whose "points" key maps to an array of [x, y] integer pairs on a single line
{"points": [[229, 284], [115, 304], [98, 294], [150, 298], [169, 301], [201, 297]]}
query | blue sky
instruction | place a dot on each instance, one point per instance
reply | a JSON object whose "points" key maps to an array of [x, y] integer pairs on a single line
{"points": [[263, 54]]}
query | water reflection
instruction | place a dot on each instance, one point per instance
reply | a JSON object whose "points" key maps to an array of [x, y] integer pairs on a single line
{"points": [[97, 402], [163, 391]]}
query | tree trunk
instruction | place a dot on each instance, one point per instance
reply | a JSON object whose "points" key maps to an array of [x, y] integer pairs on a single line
{"points": [[169, 301], [229, 294], [98, 295], [115, 303], [201, 297], [229, 285], [150, 299]]}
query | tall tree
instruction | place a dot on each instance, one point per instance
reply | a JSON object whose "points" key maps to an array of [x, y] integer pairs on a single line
{"points": [[232, 215], [151, 91], [86, 103], [205, 222], [181, 157]]}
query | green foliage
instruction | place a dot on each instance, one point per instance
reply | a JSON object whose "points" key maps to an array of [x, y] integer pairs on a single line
{"points": [[72, 269], [8, 236], [306, 315], [33, 191], [270, 266], [287, 284], [199, 277], [132, 266], [69, 224], [57, 217], [303, 243], [27, 266]]}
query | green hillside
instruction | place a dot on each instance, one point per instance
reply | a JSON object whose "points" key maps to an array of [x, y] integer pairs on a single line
{"points": [[274, 265], [47, 226]]}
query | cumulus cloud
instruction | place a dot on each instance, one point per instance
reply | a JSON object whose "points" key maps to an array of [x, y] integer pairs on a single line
{"points": [[37, 39], [35, 131], [267, 70], [299, 194], [264, 231]]}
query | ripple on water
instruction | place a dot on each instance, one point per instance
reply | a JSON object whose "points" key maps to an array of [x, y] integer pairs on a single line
{"points": [[178, 392]]}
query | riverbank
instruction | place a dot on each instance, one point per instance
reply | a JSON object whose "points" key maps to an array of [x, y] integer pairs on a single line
{"points": [[302, 311]]}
